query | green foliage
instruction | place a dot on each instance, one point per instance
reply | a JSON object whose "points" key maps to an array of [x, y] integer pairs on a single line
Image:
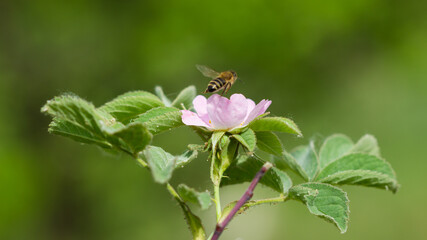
{"points": [[303, 160], [162, 163], [276, 124], [78, 119], [186, 157], [159, 92], [342, 162], [360, 169], [245, 168], [367, 144], [269, 142], [215, 172], [193, 222], [247, 139], [153, 113], [129, 105], [325, 201], [333, 148], [133, 138], [162, 120], [201, 199], [185, 97], [228, 148]]}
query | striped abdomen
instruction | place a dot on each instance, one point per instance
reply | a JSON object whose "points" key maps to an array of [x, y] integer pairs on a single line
{"points": [[215, 85]]}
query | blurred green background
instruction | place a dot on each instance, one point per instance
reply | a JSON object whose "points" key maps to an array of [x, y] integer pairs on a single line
{"points": [[355, 67]]}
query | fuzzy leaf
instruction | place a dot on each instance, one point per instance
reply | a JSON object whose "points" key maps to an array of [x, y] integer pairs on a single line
{"points": [[245, 168], [201, 199], [247, 139], [129, 105], [133, 138], [193, 222], [269, 142], [77, 132], [198, 147], [367, 144], [81, 121], [276, 124], [185, 158], [215, 172], [153, 113], [302, 160], [161, 163], [334, 147], [77, 112], [325, 201], [163, 122], [360, 169], [159, 92], [185, 97]]}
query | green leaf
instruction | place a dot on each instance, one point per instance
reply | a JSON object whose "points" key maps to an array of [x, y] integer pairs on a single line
{"points": [[159, 92], [185, 97], [153, 113], [360, 169], [133, 138], [245, 169], [163, 122], [161, 163], [198, 147], [247, 139], [269, 142], [215, 138], [302, 160], [222, 156], [215, 171], [325, 201], [76, 118], [185, 158], [228, 152], [201, 199], [194, 222], [276, 124], [334, 147], [129, 105], [77, 132], [77, 112], [367, 144]]}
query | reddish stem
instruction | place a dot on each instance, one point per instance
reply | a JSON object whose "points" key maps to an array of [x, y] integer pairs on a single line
{"points": [[246, 197]]}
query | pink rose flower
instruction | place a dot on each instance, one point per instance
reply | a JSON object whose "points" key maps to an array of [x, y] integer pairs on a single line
{"points": [[221, 113]]}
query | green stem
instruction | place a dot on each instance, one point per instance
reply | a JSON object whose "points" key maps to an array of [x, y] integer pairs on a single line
{"points": [[264, 201], [220, 226], [142, 162], [217, 202], [173, 192]]}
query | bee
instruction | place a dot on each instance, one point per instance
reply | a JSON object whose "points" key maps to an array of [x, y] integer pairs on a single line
{"points": [[223, 80]]}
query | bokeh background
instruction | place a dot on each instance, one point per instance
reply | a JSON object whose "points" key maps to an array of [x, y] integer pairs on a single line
{"points": [[355, 67]]}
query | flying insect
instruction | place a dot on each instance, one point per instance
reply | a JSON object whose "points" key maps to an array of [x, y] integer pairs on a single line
{"points": [[220, 81]]}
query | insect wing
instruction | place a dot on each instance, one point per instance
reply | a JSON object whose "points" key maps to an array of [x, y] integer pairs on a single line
{"points": [[207, 71]]}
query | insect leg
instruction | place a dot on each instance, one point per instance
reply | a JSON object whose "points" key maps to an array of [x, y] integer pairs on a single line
{"points": [[226, 88], [223, 89]]}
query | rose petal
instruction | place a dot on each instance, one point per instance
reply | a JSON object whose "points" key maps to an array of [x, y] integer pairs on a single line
{"points": [[226, 114], [200, 105], [259, 109], [192, 119], [251, 106]]}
